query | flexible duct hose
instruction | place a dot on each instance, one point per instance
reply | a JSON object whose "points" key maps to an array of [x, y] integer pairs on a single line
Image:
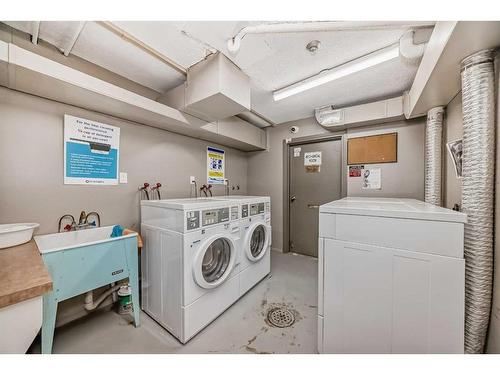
{"points": [[477, 193], [433, 152]]}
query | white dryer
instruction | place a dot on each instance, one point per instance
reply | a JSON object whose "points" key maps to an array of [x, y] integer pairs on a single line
{"points": [[189, 262], [255, 240]]}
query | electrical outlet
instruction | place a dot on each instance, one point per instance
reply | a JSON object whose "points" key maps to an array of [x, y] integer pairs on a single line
{"points": [[192, 179]]}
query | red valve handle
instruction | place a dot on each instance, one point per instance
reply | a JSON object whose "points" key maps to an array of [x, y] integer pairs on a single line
{"points": [[158, 185], [146, 185]]}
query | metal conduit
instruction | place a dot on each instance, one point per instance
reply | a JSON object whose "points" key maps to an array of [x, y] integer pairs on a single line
{"points": [[433, 152], [477, 193]]}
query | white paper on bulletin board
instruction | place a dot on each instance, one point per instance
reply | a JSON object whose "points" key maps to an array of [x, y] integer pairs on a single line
{"points": [[372, 178], [91, 152], [215, 166]]}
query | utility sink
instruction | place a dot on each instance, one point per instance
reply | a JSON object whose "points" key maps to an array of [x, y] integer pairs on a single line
{"points": [[84, 260]]}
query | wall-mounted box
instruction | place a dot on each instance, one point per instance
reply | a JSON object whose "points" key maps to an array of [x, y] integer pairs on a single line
{"points": [[361, 115], [216, 89]]}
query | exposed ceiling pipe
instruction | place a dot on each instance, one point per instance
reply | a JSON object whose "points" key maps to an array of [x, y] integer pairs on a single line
{"points": [[409, 52], [35, 30], [234, 43], [67, 50], [140, 44]]}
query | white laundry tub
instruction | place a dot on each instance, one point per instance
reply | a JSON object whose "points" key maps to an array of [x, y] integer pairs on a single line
{"points": [[16, 234]]}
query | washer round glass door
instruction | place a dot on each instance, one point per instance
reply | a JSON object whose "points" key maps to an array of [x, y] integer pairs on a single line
{"points": [[214, 262], [257, 241]]}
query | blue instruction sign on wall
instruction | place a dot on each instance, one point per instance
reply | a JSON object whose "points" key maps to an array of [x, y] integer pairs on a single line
{"points": [[91, 152], [215, 166]]}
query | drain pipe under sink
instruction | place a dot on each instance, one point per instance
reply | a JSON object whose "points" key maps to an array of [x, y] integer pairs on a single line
{"points": [[90, 305]]}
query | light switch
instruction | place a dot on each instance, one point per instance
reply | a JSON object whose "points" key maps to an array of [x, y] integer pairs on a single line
{"points": [[123, 177]]}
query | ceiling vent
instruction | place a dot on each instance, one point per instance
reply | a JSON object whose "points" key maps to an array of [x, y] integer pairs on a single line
{"points": [[216, 89]]}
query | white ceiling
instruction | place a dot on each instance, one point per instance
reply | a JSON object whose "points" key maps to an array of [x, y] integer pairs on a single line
{"points": [[272, 61]]}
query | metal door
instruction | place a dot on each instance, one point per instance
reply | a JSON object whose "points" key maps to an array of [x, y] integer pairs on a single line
{"points": [[315, 178]]}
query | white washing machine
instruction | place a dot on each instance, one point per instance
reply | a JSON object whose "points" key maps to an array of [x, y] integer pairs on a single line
{"points": [[255, 240], [189, 262]]}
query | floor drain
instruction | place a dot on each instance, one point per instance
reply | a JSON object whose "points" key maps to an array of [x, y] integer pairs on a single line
{"points": [[280, 317]]}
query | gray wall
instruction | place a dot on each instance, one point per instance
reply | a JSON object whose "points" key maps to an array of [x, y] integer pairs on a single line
{"points": [[403, 179], [31, 170], [31, 166], [452, 130]]}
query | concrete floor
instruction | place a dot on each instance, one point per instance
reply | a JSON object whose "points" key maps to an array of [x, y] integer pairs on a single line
{"points": [[240, 329]]}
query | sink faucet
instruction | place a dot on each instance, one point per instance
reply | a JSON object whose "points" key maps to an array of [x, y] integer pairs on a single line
{"points": [[83, 221], [83, 218], [70, 225], [93, 213]]}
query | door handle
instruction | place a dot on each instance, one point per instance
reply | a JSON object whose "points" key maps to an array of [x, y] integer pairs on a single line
{"points": [[292, 198], [313, 206]]}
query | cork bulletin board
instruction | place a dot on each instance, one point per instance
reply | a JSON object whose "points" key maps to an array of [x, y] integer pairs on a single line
{"points": [[373, 149]]}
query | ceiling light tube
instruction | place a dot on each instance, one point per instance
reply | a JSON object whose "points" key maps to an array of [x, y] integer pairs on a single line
{"points": [[351, 67]]}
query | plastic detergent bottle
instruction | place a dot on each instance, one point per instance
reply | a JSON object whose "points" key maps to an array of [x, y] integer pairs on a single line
{"points": [[124, 299]]}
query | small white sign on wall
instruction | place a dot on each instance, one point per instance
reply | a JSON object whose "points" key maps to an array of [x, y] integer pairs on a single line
{"points": [[312, 158], [372, 179], [296, 152]]}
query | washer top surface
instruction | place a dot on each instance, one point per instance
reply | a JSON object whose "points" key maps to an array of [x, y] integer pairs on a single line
{"points": [[187, 203], [241, 198], [392, 207]]}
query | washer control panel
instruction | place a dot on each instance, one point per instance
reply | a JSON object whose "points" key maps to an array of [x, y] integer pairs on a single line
{"points": [[223, 214], [234, 213], [256, 208], [192, 220], [244, 210], [210, 217]]}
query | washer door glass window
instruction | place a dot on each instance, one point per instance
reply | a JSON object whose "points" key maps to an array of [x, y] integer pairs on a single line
{"points": [[216, 260], [258, 241]]}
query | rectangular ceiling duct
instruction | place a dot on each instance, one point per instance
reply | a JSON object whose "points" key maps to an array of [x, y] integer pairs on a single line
{"points": [[216, 89], [365, 114]]}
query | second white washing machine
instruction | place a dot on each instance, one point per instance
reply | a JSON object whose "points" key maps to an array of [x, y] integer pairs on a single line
{"points": [[255, 240]]}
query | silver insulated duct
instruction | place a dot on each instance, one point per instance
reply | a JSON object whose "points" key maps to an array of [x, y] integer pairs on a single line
{"points": [[477, 193], [433, 152]]}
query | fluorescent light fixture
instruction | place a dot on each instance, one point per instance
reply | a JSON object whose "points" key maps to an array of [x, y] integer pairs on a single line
{"points": [[351, 67]]}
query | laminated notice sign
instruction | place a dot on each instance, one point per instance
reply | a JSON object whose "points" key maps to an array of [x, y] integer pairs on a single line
{"points": [[372, 179], [215, 166], [312, 158], [312, 162], [91, 152], [355, 170]]}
